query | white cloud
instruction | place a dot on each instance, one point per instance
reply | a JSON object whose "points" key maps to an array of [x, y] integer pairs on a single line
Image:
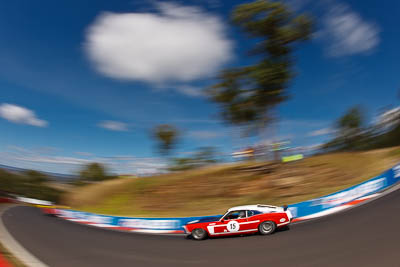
{"points": [[347, 32], [53, 159], [323, 131], [31, 159], [114, 125], [272, 140], [388, 118], [177, 44], [17, 148], [190, 90], [185, 89], [18, 114], [310, 148]]}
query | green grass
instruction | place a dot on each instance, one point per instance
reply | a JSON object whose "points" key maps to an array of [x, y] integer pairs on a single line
{"points": [[212, 190], [394, 153]]}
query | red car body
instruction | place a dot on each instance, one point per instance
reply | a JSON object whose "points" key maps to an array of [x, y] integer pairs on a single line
{"points": [[6, 200], [51, 210], [255, 215]]}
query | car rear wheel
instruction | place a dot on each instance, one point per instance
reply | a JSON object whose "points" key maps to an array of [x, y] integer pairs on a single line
{"points": [[199, 234], [267, 227]]}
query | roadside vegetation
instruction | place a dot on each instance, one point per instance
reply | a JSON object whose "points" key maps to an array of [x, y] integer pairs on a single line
{"points": [[37, 185], [32, 184], [10, 257], [92, 173], [211, 190], [351, 132]]}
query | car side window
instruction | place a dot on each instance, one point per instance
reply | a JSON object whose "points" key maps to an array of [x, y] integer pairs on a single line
{"points": [[237, 214], [252, 213]]}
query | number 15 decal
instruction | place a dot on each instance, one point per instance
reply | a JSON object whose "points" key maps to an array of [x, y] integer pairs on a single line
{"points": [[233, 226]]}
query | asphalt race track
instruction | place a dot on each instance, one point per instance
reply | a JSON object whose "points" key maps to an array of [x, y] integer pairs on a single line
{"points": [[368, 235]]}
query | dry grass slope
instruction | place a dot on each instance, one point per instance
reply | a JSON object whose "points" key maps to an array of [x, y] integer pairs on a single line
{"points": [[212, 190]]}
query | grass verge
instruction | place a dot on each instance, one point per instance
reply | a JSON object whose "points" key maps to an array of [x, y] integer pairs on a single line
{"points": [[212, 190]]}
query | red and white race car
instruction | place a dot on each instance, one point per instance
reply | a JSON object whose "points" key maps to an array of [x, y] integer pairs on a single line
{"points": [[264, 219]]}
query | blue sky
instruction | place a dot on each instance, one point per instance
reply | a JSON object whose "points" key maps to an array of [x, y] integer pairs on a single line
{"points": [[86, 81]]}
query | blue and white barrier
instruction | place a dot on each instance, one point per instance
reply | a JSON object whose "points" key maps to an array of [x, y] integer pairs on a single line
{"points": [[346, 198], [301, 211], [145, 225]]}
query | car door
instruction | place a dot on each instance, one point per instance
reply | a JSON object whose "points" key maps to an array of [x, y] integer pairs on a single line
{"points": [[231, 223], [252, 220]]}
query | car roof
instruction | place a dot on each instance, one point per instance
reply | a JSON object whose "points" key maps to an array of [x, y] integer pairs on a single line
{"points": [[259, 207]]}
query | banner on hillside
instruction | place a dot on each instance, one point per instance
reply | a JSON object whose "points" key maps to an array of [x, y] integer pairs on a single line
{"points": [[340, 198]]}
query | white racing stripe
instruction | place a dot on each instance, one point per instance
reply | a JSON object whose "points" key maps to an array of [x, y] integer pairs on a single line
{"points": [[211, 228], [218, 225], [280, 224], [243, 231], [250, 222]]}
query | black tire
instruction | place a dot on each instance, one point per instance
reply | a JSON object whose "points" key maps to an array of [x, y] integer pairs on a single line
{"points": [[199, 234], [266, 228]]}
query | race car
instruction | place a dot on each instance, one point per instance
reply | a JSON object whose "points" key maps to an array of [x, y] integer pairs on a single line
{"points": [[264, 219], [51, 210]]}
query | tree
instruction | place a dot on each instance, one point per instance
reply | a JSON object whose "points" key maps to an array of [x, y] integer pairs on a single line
{"points": [[166, 135], [349, 134], [36, 177], [248, 95], [29, 184], [206, 155], [94, 172], [387, 119], [385, 131], [351, 123], [202, 157]]}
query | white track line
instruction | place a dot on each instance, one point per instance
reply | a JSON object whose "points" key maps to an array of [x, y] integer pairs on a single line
{"points": [[14, 247]]}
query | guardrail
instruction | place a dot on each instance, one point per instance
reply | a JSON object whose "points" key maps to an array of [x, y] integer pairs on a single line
{"points": [[144, 225], [301, 211], [345, 198]]}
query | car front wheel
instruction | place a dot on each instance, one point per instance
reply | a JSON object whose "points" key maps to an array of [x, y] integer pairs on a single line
{"points": [[267, 227], [199, 234]]}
